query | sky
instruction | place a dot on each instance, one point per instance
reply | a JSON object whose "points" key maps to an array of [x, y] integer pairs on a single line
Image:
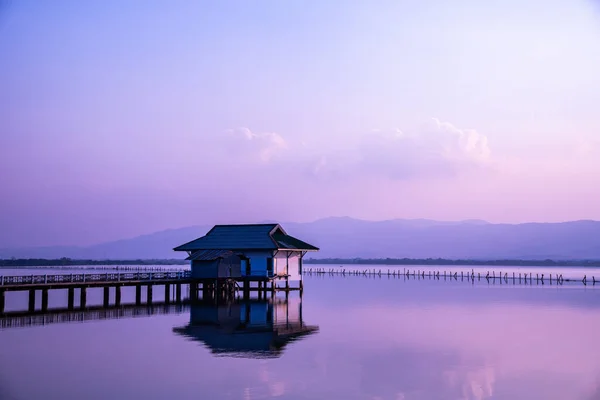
{"points": [[123, 118]]}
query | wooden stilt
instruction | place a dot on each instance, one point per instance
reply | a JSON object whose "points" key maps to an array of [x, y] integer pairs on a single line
{"points": [[167, 293], [45, 300], [71, 298], [2, 300], [178, 293], [106, 296], [31, 300], [82, 297], [138, 295]]}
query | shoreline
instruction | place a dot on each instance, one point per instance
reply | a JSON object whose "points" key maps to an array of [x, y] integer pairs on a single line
{"points": [[67, 262]]}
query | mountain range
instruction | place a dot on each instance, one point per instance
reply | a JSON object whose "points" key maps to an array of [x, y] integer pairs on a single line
{"points": [[344, 237]]}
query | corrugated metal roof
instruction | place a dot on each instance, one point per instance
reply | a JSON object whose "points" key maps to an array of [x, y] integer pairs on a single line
{"points": [[246, 237], [232, 237], [289, 242], [209, 255]]}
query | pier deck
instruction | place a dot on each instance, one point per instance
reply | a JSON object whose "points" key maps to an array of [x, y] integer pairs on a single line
{"points": [[106, 281]]}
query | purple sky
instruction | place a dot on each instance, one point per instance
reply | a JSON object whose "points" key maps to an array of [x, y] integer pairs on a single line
{"points": [[122, 118]]}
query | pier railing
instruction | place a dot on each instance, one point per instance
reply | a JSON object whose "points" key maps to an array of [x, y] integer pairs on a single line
{"points": [[94, 277]]}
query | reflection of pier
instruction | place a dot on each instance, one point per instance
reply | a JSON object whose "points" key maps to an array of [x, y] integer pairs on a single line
{"points": [[241, 327], [253, 328], [22, 319]]}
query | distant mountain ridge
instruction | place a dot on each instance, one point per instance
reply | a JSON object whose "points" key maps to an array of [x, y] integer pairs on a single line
{"points": [[345, 237]]}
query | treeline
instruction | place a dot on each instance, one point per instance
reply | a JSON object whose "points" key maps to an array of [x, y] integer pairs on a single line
{"points": [[442, 261], [61, 262]]}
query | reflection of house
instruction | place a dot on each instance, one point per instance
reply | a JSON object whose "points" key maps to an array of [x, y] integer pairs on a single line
{"points": [[248, 328], [251, 252]]}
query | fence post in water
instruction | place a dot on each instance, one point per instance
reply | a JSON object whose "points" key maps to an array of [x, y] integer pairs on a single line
{"points": [[594, 280], [585, 280]]}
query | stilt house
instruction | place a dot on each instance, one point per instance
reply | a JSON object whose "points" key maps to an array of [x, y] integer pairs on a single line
{"points": [[253, 252]]}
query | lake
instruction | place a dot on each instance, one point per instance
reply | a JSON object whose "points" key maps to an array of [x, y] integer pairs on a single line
{"points": [[349, 337]]}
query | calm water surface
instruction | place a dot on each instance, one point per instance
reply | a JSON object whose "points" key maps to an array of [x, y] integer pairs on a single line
{"points": [[377, 338]]}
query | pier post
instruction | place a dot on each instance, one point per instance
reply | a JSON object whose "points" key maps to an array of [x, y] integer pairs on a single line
{"points": [[83, 298], [178, 293], [118, 296], [71, 298], [2, 300], [246, 290], [138, 295], [194, 290], [167, 293], [31, 300], [106, 296], [149, 294], [44, 299]]}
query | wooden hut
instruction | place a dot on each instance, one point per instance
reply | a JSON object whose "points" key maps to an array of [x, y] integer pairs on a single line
{"points": [[247, 252]]}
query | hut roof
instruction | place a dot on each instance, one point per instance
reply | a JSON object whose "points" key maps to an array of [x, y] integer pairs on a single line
{"points": [[210, 255], [246, 237]]}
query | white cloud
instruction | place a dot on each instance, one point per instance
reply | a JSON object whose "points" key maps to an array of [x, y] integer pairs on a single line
{"points": [[587, 147], [436, 149], [265, 146]]}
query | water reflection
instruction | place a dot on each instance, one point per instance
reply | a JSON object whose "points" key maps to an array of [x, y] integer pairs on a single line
{"points": [[250, 328], [377, 339]]}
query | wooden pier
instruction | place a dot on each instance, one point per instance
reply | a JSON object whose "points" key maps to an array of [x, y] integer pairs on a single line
{"points": [[142, 281], [466, 275]]}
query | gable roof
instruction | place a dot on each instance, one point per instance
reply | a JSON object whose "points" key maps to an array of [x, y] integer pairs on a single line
{"points": [[246, 237], [210, 255]]}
